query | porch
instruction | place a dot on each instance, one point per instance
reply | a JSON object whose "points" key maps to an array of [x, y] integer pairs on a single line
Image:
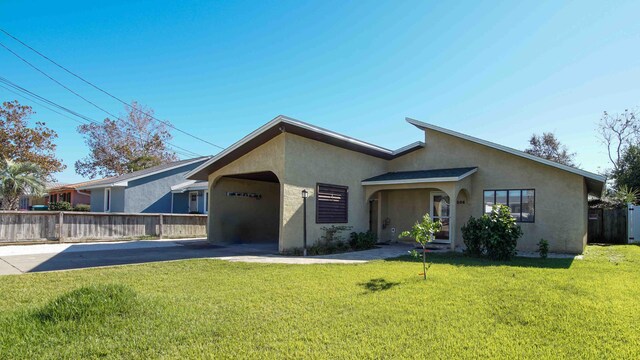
{"points": [[397, 200]]}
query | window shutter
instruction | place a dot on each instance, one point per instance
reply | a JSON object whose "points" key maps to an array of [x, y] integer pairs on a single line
{"points": [[332, 204]]}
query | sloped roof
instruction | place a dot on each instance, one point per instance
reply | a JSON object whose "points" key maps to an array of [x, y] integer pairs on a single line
{"points": [[433, 175], [282, 124], [123, 180], [595, 182], [190, 185], [74, 186]]}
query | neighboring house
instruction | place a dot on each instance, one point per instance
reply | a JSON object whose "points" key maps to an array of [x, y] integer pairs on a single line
{"points": [[256, 184], [144, 191], [190, 197], [28, 201], [69, 193]]}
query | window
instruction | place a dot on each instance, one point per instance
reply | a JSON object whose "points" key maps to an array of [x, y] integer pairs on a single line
{"points": [[53, 198], [206, 202], [521, 202], [107, 200], [65, 197], [332, 203]]}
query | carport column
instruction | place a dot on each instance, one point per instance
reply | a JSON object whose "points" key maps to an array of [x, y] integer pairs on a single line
{"points": [[379, 215]]}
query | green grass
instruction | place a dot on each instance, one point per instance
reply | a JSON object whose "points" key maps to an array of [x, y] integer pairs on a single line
{"points": [[468, 308]]}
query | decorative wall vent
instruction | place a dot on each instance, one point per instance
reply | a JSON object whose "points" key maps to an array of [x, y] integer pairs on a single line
{"points": [[247, 195]]}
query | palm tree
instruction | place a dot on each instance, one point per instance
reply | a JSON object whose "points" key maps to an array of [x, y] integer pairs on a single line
{"points": [[19, 178]]}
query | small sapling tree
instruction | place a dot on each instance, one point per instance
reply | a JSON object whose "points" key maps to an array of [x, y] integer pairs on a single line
{"points": [[423, 232]]}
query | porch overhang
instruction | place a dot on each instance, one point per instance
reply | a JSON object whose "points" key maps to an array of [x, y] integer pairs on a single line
{"points": [[421, 176], [189, 185]]}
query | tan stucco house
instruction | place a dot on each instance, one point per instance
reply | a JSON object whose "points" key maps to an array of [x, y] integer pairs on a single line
{"points": [[255, 187]]}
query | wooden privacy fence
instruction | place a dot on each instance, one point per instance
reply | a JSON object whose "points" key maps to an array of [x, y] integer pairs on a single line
{"points": [[68, 226], [608, 226]]}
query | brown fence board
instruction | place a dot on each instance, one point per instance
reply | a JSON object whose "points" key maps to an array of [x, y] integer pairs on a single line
{"points": [[34, 226], [607, 226]]}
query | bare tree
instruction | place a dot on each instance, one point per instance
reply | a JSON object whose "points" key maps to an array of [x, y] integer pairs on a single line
{"points": [[547, 146], [618, 132], [132, 142]]}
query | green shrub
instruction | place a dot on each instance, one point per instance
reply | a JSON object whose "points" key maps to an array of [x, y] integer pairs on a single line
{"points": [[332, 242], [495, 234], [501, 245], [328, 248], [90, 303], [543, 248], [333, 233], [362, 240], [60, 206], [82, 207], [473, 236]]}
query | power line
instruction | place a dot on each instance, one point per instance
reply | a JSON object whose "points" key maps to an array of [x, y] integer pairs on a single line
{"points": [[24, 96], [29, 98], [17, 87], [95, 87]]}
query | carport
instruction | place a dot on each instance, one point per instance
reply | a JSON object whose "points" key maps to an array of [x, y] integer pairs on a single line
{"points": [[246, 208]]}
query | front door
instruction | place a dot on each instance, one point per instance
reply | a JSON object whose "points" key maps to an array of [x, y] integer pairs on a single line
{"points": [[373, 216], [440, 211], [193, 201]]}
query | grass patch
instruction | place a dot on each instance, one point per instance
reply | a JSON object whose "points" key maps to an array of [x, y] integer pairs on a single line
{"points": [[468, 308], [94, 303]]}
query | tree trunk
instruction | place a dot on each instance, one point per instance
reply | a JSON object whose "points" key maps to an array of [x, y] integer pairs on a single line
{"points": [[424, 262], [10, 202]]}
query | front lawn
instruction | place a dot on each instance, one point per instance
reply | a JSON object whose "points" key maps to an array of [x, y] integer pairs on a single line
{"points": [[468, 308]]}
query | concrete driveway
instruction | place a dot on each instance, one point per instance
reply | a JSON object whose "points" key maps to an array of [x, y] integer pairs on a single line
{"points": [[19, 259]]}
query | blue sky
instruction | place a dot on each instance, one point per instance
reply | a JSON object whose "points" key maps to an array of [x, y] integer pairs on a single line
{"points": [[495, 70]]}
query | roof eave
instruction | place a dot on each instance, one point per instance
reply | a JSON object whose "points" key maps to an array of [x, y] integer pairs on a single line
{"points": [[119, 184], [373, 150], [420, 180], [424, 126]]}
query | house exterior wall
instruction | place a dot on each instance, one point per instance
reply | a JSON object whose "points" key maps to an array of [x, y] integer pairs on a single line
{"points": [[97, 200], [267, 157], [308, 162], [287, 156], [152, 194], [560, 196], [403, 208], [117, 199], [181, 202]]}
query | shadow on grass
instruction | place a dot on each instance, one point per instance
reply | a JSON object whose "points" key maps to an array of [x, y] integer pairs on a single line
{"points": [[379, 284], [457, 259]]}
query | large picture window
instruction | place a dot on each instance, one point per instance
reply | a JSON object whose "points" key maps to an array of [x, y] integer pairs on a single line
{"points": [[332, 204], [521, 202]]}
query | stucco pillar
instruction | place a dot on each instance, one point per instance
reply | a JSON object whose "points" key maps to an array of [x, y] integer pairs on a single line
{"points": [[452, 217], [379, 224]]}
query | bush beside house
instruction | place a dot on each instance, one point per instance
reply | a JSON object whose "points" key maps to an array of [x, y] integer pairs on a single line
{"points": [[494, 235]]}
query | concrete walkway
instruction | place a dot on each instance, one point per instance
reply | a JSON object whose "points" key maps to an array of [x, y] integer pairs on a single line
{"points": [[355, 257]]}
